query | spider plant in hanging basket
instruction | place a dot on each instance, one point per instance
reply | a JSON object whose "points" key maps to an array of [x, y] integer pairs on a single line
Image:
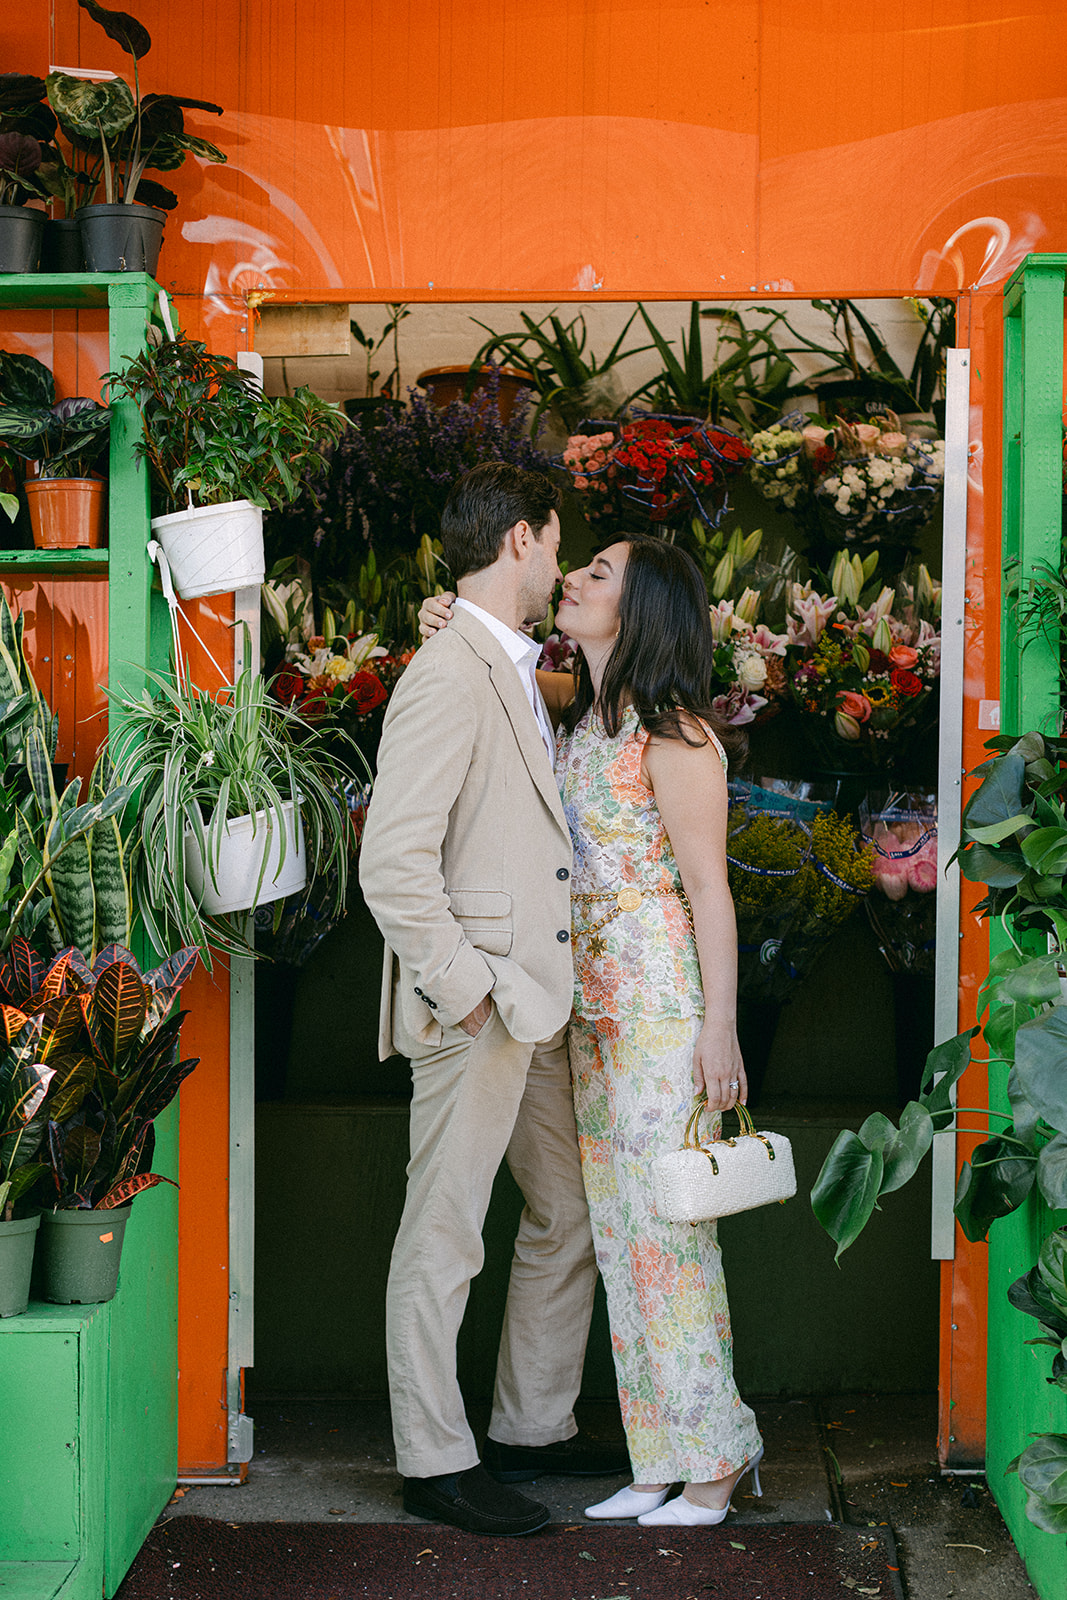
{"points": [[210, 766]]}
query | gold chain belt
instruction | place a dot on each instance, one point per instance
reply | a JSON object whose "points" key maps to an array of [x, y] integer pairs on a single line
{"points": [[626, 899]]}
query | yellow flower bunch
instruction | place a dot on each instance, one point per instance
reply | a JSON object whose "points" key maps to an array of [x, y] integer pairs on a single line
{"points": [[838, 872]]}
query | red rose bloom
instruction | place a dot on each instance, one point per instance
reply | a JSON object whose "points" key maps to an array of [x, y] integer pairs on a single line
{"points": [[366, 690], [287, 685], [905, 682]]}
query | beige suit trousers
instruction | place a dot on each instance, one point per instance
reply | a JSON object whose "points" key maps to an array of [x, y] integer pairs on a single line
{"points": [[478, 1101]]}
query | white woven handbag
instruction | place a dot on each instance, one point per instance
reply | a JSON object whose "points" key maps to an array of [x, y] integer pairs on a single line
{"points": [[703, 1181]]}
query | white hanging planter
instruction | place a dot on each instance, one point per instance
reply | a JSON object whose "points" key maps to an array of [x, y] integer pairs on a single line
{"points": [[244, 844], [213, 549]]}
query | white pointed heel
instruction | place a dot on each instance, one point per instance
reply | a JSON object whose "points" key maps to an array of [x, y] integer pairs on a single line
{"points": [[627, 1503], [683, 1513]]}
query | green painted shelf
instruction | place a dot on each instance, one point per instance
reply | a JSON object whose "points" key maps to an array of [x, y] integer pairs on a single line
{"points": [[75, 291], [56, 560]]}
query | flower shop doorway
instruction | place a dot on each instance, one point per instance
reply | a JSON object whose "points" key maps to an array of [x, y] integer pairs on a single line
{"points": [[849, 1033]]}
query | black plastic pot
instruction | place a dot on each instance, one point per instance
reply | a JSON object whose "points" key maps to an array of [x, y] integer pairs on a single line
{"points": [[121, 238], [20, 238], [61, 246]]}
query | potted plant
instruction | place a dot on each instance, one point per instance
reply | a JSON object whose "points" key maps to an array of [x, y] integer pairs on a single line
{"points": [[21, 226], [239, 802], [24, 109], [65, 439], [109, 1043], [23, 1081], [124, 133], [218, 452]]}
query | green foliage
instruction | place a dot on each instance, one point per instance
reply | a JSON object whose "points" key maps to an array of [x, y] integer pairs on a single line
{"points": [[199, 759], [110, 1047], [568, 379], [368, 344], [66, 439], [209, 435], [1014, 840], [120, 132]]}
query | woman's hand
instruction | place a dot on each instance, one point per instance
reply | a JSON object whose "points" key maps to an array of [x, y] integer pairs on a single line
{"points": [[435, 612], [718, 1069]]}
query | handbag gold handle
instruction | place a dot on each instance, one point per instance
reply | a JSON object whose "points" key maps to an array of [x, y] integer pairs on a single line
{"points": [[748, 1130]]}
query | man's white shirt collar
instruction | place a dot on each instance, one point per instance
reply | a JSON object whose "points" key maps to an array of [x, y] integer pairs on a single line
{"points": [[525, 653]]}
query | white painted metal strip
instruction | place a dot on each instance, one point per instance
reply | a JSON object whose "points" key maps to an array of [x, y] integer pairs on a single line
{"points": [[950, 770]]}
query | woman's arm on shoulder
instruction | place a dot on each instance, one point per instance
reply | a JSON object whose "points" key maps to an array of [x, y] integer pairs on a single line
{"points": [[690, 789], [557, 691]]}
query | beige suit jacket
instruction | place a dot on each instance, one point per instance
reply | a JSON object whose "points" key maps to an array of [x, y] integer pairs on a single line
{"points": [[465, 859]]}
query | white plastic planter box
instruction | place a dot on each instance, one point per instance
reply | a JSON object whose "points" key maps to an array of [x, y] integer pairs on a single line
{"points": [[213, 549], [240, 863]]}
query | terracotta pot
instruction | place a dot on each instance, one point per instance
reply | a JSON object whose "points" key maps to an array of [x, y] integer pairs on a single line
{"points": [[67, 513], [445, 384]]}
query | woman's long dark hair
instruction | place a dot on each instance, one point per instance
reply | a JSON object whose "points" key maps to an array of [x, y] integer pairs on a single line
{"points": [[661, 662]]}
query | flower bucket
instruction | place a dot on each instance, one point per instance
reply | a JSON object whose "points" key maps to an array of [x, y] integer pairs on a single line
{"points": [[213, 549], [21, 229], [241, 880], [67, 513], [79, 1255], [17, 1240], [120, 238]]}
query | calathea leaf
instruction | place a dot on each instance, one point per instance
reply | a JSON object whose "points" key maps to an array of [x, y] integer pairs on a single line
{"points": [[92, 110], [126, 31]]}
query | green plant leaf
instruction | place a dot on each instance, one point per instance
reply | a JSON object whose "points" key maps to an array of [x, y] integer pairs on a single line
{"points": [[995, 1181], [1042, 1466], [846, 1190], [126, 31], [1040, 1056], [996, 832], [1000, 869], [1000, 794], [1035, 983], [1052, 1269], [907, 1146], [1052, 1173], [1045, 849], [947, 1063], [92, 111], [117, 1010]]}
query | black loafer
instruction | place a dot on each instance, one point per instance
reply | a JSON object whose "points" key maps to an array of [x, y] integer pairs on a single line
{"points": [[579, 1457], [471, 1500]]}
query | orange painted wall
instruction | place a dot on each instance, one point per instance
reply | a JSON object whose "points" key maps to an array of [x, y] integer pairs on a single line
{"points": [[411, 149]]}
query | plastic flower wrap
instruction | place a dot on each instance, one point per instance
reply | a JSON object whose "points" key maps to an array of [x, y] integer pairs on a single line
{"points": [[657, 471], [902, 832], [870, 482], [796, 873], [749, 661]]}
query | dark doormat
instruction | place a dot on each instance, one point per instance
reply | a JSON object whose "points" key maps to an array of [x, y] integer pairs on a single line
{"points": [[196, 1558]]}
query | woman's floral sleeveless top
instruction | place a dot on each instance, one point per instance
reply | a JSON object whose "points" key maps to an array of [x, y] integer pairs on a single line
{"points": [[642, 962]]}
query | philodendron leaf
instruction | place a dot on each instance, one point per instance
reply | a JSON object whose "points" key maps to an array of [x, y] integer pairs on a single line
{"points": [[1024, 1118], [846, 1190], [1041, 1064], [1003, 1026], [996, 832], [1042, 1466], [946, 1063], [995, 1181], [1035, 983], [1052, 1268], [907, 1147], [999, 796], [1052, 1173], [1045, 849], [1000, 869]]}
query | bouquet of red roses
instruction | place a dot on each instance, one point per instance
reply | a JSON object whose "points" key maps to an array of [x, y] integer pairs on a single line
{"points": [[655, 470]]}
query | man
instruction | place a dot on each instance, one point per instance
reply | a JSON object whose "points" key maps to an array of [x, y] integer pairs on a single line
{"points": [[465, 864]]}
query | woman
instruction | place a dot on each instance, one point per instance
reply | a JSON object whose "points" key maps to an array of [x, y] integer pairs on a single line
{"points": [[642, 777]]}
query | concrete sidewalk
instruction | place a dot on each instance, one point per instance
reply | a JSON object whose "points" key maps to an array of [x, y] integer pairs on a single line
{"points": [[861, 1460]]}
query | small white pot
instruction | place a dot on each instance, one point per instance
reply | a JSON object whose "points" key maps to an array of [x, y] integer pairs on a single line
{"points": [[245, 842], [213, 549]]}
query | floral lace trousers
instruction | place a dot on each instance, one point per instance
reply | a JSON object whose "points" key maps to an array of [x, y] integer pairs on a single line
{"points": [[667, 1308]]}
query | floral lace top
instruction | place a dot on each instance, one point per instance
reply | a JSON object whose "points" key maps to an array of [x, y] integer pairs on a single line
{"points": [[642, 962]]}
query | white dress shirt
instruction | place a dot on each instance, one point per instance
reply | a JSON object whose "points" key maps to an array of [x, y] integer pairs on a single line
{"points": [[525, 653]]}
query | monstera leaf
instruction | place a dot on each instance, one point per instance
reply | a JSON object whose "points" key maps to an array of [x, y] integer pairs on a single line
{"points": [[91, 111]]}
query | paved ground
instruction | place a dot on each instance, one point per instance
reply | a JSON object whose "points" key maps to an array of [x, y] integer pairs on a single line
{"points": [[865, 1460]]}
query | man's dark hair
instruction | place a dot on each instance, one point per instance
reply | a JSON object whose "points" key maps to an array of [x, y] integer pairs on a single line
{"points": [[488, 500]]}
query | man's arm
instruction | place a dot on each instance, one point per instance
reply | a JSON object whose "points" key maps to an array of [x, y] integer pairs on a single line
{"points": [[424, 760]]}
